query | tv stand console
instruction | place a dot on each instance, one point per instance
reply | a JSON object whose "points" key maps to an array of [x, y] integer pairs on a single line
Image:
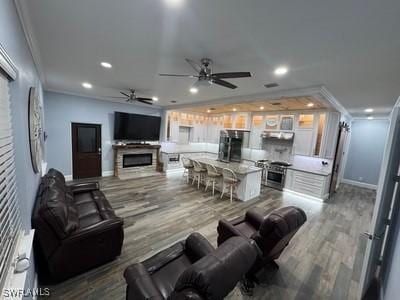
{"points": [[136, 160]]}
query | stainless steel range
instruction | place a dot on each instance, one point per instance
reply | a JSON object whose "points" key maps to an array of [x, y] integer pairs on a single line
{"points": [[274, 173]]}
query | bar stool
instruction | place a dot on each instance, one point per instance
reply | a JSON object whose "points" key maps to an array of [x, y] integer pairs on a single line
{"points": [[230, 181], [212, 176], [188, 167], [198, 172]]}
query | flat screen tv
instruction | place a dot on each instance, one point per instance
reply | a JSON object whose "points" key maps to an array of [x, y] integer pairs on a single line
{"points": [[136, 127]]}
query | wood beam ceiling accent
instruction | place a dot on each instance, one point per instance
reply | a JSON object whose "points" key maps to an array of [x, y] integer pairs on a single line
{"points": [[282, 104]]}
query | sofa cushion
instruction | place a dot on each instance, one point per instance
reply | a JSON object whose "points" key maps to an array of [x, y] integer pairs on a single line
{"points": [[54, 209], [53, 173]]}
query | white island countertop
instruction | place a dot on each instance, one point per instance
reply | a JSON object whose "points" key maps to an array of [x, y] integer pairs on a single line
{"points": [[238, 168]]}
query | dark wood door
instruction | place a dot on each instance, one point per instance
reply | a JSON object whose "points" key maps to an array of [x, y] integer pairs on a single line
{"points": [[86, 150]]}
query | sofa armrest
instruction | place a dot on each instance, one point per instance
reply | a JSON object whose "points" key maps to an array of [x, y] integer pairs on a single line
{"points": [[94, 230], [226, 230], [254, 217], [140, 284], [197, 246], [84, 187]]}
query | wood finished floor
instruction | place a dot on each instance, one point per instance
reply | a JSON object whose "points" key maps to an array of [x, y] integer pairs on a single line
{"points": [[323, 260]]}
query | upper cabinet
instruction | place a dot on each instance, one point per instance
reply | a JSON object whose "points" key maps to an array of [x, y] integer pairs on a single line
{"points": [[237, 120], [272, 122], [257, 127], [287, 122], [305, 121]]}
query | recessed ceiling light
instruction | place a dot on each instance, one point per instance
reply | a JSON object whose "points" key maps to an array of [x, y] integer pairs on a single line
{"points": [[106, 65], [370, 118], [281, 70], [261, 107], [235, 109], [174, 3], [194, 90], [310, 104], [155, 98], [368, 110], [87, 85], [208, 110]]}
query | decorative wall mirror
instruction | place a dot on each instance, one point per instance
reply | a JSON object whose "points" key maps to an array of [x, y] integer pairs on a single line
{"points": [[35, 130]]}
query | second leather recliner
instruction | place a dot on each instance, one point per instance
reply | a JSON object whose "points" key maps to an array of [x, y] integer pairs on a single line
{"points": [[191, 269], [272, 232]]}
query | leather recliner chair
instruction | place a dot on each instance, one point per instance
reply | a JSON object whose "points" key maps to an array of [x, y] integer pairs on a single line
{"points": [[191, 269], [272, 233], [75, 228]]}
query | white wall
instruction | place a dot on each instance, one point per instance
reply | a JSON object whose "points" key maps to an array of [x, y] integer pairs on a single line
{"points": [[365, 152]]}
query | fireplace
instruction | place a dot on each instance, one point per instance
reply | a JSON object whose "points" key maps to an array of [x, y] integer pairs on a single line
{"points": [[137, 160]]}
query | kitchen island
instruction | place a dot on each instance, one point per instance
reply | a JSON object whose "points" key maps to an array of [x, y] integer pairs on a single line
{"points": [[249, 176]]}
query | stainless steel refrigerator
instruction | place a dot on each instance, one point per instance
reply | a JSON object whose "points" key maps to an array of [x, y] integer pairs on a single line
{"points": [[231, 143]]}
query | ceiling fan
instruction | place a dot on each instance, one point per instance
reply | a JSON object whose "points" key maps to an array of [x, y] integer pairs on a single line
{"points": [[131, 97], [206, 77]]}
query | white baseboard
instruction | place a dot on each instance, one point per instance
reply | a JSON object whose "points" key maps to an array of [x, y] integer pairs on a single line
{"points": [[107, 173], [103, 174], [360, 184], [303, 195]]}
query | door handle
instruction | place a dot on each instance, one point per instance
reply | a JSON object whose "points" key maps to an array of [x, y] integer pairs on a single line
{"points": [[371, 236], [99, 150]]}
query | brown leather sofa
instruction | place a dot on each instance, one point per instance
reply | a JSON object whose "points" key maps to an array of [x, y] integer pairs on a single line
{"points": [[272, 233], [76, 228], [191, 269]]}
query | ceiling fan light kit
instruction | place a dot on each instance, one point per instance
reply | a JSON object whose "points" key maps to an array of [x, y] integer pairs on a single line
{"points": [[206, 77], [132, 97]]}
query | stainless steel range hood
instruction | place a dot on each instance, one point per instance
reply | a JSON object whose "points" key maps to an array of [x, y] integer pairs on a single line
{"points": [[278, 135]]}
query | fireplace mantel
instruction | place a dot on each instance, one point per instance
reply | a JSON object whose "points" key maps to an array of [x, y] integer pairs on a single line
{"points": [[136, 171]]}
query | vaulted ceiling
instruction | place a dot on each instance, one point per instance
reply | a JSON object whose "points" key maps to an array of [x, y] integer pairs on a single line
{"points": [[350, 46]]}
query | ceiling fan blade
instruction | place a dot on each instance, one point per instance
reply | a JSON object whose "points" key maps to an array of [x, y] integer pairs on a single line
{"points": [[118, 97], [224, 83], [232, 75], [179, 75], [124, 94], [194, 65], [144, 101]]}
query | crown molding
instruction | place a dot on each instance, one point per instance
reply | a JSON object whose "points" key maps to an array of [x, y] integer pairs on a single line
{"points": [[26, 23], [334, 102], [7, 65]]}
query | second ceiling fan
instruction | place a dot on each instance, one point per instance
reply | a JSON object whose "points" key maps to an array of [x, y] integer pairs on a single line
{"points": [[206, 77]]}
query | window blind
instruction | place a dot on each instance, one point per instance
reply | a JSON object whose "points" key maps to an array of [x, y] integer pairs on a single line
{"points": [[10, 221]]}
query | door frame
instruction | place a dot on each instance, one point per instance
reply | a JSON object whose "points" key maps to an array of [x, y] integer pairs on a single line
{"points": [[378, 233], [72, 145]]}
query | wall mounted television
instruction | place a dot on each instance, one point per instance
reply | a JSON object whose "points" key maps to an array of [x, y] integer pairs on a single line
{"points": [[136, 127]]}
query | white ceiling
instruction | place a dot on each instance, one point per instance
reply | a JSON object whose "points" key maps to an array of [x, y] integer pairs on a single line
{"points": [[350, 46]]}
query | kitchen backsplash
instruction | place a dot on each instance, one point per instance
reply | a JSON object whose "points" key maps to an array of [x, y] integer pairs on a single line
{"points": [[272, 152]]}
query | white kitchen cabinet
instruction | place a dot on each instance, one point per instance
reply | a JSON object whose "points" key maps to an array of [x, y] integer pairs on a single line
{"points": [[257, 127], [174, 131], [331, 135], [303, 142], [199, 133], [310, 184], [286, 122]]}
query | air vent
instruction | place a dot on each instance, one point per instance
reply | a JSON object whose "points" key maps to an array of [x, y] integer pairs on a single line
{"points": [[212, 108], [173, 101], [271, 85], [276, 103]]}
